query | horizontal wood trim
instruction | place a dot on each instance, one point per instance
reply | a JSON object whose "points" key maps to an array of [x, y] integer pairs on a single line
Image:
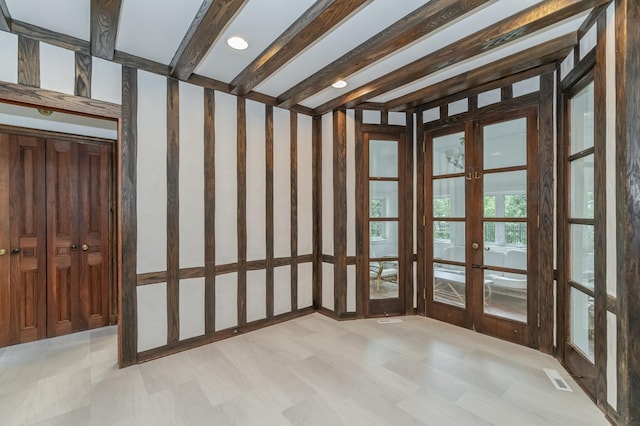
{"points": [[216, 336], [352, 260], [327, 258], [5, 17], [328, 313], [35, 32], [51, 135], [199, 272], [25, 95], [612, 304], [383, 128]]}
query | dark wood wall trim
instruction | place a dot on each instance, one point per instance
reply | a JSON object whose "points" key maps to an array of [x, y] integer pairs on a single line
{"points": [[316, 142], [628, 209], [340, 210], [28, 62], [269, 208], [546, 222], [83, 75], [5, 17], [105, 15], [293, 154], [205, 339], [242, 208], [209, 211], [173, 211], [128, 323], [407, 199], [361, 269], [421, 262]]}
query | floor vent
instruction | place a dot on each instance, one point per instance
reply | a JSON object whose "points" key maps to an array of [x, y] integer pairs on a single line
{"points": [[557, 380], [389, 320]]}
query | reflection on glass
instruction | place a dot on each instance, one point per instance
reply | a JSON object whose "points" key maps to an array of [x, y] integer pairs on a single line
{"points": [[384, 239], [449, 281], [448, 154], [383, 279], [505, 194], [582, 190], [383, 158], [582, 120], [582, 314], [449, 284], [505, 295], [505, 144], [449, 240], [383, 199], [582, 249], [448, 197], [499, 234]]}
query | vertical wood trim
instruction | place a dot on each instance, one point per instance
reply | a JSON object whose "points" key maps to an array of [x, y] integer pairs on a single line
{"points": [[628, 209], [408, 216], [340, 210], [83, 75], [506, 93], [361, 207], [600, 214], [561, 278], [293, 129], [269, 207], [384, 118], [420, 214], [5, 241], [127, 324], [209, 212], [173, 211], [545, 212], [316, 142], [28, 61], [242, 208]]}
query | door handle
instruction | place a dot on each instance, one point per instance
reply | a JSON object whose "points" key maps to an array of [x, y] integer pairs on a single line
{"points": [[74, 247], [476, 266], [85, 247], [475, 246], [15, 251]]}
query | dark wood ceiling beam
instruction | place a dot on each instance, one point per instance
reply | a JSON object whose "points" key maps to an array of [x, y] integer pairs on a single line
{"points": [[496, 35], [212, 19], [427, 18], [105, 15], [319, 19], [5, 17], [548, 52]]}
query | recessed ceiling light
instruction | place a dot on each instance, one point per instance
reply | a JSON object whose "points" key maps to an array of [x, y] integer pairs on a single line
{"points": [[339, 84], [237, 43]]}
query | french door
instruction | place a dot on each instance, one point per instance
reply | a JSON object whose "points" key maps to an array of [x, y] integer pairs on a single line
{"points": [[481, 216]]}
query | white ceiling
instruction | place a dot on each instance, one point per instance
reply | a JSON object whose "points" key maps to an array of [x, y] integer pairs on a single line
{"points": [[153, 29]]}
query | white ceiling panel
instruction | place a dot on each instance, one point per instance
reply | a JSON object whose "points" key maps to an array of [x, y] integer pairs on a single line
{"points": [[154, 29], [525, 43], [260, 22], [372, 19], [469, 25], [69, 17]]}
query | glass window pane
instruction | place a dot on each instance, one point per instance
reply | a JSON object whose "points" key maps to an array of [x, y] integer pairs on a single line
{"points": [[582, 315], [582, 120], [502, 238], [448, 154], [582, 191], [383, 158], [449, 240], [383, 237], [505, 295], [505, 144], [582, 247], [383, 279], [448, 197], [449, 286], [510, 194], [383, 199]]}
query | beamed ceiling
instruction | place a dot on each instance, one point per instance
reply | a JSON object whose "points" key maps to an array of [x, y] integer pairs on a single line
{"points": [[394, 54]]}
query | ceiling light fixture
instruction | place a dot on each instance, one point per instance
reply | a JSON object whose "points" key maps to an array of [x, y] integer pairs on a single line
{"points": [[339, 84], [237, 43]]}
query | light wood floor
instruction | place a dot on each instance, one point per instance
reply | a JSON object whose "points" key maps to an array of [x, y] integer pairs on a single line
{"points": [[309, 371]]}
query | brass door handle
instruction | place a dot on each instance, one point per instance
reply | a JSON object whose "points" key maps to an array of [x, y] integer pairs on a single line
{"points": [[85, 247], [15, 251], [475, 246], [3, 252]]}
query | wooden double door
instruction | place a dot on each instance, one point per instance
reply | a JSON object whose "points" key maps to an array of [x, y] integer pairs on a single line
{"points": [[55, 254]]}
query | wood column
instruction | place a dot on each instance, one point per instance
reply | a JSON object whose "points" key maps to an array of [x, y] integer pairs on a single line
{"points": [[28, 62], [362, 271], [293, 128], [269, 209], [242, 208], [407, 200], [340, 211], [209, 212], [173, 211]]}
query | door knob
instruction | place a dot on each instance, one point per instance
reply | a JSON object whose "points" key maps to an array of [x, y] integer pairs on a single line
{"points": [[15, 251], [74, 247], [3, 252], [475, 246], [85, 247]]}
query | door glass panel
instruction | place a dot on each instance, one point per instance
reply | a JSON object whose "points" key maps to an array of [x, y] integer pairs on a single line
{"points": [[384, 239], [582, 120], [383, 279], [582, 250], [505, 295], [448, 197], [582, 187], [449, 241], [383, 199], [449, 285], [448, 154], [505, 144], [582, 324], [502, 236], [505, 194], [383, 158]]}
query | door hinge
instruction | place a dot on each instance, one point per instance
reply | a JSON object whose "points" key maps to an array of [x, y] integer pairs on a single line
{"points": [[424, 220], [538, 319], [424, 147], [538, 122], [424, 293], [538, 221]]}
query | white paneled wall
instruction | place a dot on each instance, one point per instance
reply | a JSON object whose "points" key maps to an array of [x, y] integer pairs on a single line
{"points": [[152, 316], [191, 308], [8, 57], [106, 81], [305, 285], [57, 69], [256, 182], [256, 295], [152, 173], [327, 286], [191, 176], [226, 179], [327, 184], [612, 258], [305, 185], [226, 301], [351, 288], [351, 184], [281, 290], [281, 183]]}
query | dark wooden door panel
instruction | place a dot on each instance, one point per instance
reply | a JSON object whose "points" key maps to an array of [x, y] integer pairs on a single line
{"points": [[27, 255]]}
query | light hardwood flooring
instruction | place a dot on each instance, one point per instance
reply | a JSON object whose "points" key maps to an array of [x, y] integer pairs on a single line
{"points": [[309, 371]]}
